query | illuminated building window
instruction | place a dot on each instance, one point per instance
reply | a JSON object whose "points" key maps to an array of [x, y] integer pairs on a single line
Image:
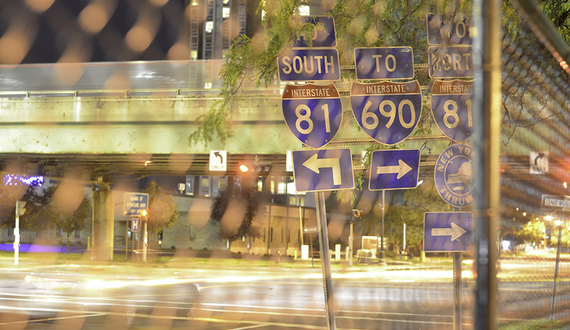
{"points": [[194, 55], [281, 186], [225, 12], [305, 10], [20, 180], [205, 186], [209, 26], [189, 185], [208, 85]]}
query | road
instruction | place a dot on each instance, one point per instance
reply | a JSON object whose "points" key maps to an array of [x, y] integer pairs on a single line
{"points": [[279, 297]]}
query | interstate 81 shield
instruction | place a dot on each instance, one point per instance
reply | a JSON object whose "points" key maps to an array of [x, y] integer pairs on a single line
{"points": [[387, 111], [451, 108]]}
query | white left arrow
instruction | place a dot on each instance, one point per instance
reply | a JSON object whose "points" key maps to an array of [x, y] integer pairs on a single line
{"points": [[315, 164], [402, 169], [455, 231]]}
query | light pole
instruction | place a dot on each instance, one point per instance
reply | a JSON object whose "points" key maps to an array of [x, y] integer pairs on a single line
{"points": [[145, 235], [559, 225]]}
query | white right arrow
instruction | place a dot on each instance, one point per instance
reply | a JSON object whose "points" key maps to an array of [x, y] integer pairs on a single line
{"points": [[315, 164], [455, 231], [402, 169]]}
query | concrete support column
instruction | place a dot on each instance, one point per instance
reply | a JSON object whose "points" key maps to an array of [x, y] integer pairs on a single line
{"points": [[103, 222]]}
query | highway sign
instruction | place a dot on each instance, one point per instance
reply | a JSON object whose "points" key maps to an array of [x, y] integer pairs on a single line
{"points": [[135, 224], [450, 62], [551, 202], [384, 63], [388, 112], [454, 175], [394, 169], [313, 113], [309, 64], [323, 169], [134, 203], [448, 231], [451, 108], [309, 230], [218, 160], [455, 33], [323, 35]]}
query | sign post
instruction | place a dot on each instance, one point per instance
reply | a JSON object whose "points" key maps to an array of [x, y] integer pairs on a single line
{"points": [[325, 259]]}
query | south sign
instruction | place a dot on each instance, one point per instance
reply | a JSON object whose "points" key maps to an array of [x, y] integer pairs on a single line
{"points": [[451, 108], [388, 112], [313, 113], [309, 64]]}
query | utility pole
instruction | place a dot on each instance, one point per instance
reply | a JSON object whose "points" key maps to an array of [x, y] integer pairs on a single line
{"points": [[20, 210]]}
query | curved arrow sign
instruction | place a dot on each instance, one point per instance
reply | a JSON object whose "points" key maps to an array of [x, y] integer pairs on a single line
{"points": [[394, 169], [448, 231], [320, 170]]}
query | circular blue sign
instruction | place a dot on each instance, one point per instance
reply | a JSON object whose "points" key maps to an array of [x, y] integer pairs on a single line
{"points": [[313, 113], [454, 175], [452, 109], [388, 112]]}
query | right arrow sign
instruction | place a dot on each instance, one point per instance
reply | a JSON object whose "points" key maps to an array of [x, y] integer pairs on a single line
{"points": [[448, 232], [394, 169]]}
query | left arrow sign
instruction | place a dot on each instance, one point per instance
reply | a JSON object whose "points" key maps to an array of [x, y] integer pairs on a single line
{"points": [[323, 169]]}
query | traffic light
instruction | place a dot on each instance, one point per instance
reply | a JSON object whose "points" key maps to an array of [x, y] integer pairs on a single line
{"points": [[356, 214], [20, 207], [143, 213]]}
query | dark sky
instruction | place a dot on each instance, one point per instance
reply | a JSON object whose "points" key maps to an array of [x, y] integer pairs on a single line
{"points": [[57, 32]]}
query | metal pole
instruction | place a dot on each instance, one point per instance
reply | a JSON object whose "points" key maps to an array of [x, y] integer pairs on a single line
{"points": [[300, 222], [325, 259], [269, 230], [350, 241], [382, 253], [145, 241], [17, 237], [127, 238], [486, 112], [457, 257], [556, 272]]}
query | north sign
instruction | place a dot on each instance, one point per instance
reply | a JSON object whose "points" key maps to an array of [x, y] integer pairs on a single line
{"points": [[454, 175], [134, 203], [394, 169], [448, 231], [309, 64], [321, 170], [387, 111], [454, 33], [384, 63], [323, 33], [450, 62], [313, 113], [451, 108]]}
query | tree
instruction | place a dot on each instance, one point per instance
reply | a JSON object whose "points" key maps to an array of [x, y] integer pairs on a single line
{"points": [[234, 210], [532, 232], [162, 211], [69, 208]]}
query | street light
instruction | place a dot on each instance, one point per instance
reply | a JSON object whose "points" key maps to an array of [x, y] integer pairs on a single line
{"points": [[145, 237]]}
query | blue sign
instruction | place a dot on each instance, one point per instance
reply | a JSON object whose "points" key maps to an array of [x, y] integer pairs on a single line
{"points": [[324, 169], [455, 33], [450, 62], [448, 232], [313, 113], [384, 63], [394, 169], [135, 203], [309, 64], [451, 108], [135, 224], [323, 35], [454, 175], [388, 112]]}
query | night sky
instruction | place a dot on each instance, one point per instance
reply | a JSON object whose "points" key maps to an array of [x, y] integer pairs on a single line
{"points": [[50, 31]]}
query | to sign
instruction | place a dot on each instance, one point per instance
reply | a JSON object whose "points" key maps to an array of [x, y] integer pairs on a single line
{"points": [[134, 203], [388, 112], [450, 62], [323, 35], [324, 169], [456, 33], [448, 232], [454, 175], [550, 202], [384, 63], [308, 64], [394, 169], [313, 113], [451, 108]]}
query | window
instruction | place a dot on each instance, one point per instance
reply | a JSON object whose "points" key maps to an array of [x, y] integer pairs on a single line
{"points": [[209, 26], [77, 234], [225, 12], [192, 233], [205, 186], [189, 185]]}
